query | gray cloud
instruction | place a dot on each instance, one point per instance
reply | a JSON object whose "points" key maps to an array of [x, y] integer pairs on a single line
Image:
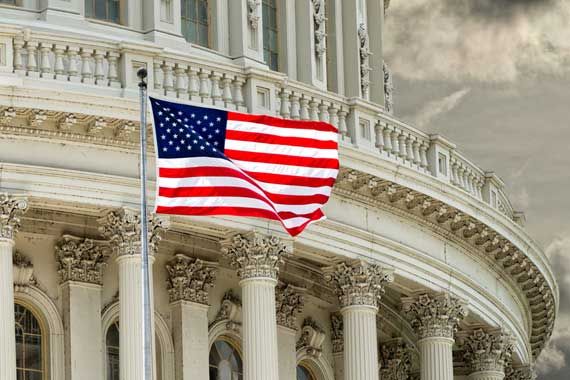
{"points": [[439, 106], [478, 40]]}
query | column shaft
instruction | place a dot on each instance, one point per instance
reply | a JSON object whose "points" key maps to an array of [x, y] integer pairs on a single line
{"points": [[7, 323], [259, 329], [360, 343], [487, 375], [436, 359], [287, 353], [82, 321]]}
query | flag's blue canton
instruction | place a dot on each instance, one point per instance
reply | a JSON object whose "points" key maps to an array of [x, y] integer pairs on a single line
{"points": [[188, 131]]}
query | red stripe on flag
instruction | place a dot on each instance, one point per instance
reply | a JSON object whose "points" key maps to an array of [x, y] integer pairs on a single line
{"points": [[282, 123], [280, 140], [268, 158]]}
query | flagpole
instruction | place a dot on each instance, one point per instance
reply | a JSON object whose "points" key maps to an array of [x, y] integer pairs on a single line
{"points": [[147, 320]]}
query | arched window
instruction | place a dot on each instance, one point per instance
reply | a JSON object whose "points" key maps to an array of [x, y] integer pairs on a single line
{"points": [[29, 343], [303, 373], [270, 34], [195, 21], [225, 361], [106, 10]]}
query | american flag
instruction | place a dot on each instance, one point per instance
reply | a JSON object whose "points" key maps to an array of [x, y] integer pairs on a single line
{"points": [[215, 162]]}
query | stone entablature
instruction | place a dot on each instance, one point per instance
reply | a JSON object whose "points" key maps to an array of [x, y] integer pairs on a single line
{"points": [[11, 209], [80, 259], [289, 302], [395, 360], [190, 279], [434, 315], [486, 350]]}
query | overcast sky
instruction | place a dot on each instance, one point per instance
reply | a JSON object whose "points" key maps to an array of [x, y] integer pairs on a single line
{"points": [[494, 77]]}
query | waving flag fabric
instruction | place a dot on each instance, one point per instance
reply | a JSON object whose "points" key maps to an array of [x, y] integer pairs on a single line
{"points": [[215, 162]]}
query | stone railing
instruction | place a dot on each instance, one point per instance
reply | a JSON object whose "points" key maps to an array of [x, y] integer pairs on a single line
{"points": [[109, 68]]}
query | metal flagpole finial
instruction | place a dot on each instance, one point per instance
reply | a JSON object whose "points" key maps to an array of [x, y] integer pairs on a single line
{"points": [[142, 74]]}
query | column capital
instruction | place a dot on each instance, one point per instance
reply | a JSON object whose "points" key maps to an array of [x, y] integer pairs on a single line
{"points": [[312, 338], [337, 333], [358, 283], [190, 279], [434, 315], [486, 350], [520, 373], [395, 360], [255, 255], [81, 259], [289, 302], [11, 209], [122, 227]]}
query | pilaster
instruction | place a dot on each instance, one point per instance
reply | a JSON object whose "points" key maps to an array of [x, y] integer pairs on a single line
{"points": [[162, 23], [487, 353], [11, 209], [246, 32], [289, 302], [395, 360], [189, 281], [80, 268], [311, 42], [337, 339]]}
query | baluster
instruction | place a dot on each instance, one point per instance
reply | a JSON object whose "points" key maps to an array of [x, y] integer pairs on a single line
{"points": [[402, 145], [158, 75], [342, 114], [333, 111], [204, 88], [409, 142], [285, 109], [395, 145], [72, 67], [238, 93], [86, 73], [18, 59], [378, 129], [471, 185], [59, 67], [227, 91], [304, 112], [113, 71], [45, 64], [99, 70], [193, 84], [453, 166], [314, 110], [32, 66], [416, 147], [295, 107], [180, 72], [423, 155], [461, 177], [168, 83], [216, 91], [387, 132], [480, 185], [324, 112]]}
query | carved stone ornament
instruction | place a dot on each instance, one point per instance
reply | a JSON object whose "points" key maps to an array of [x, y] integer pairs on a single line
{"points": [[434, 315], [365, 53], [337, 333], [22, 270], [395, 360], [312, 338], [255, 255], [190, 279], [80, 259], [11, 209], [520, 373], [122, 227], [289, 302], [487, 351], [358, 283], [230, 311], [253, 13], [319, 21], [388, 89]]}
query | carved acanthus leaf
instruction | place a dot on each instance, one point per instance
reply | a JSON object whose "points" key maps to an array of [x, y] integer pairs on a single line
{"points": [[289, 302], [520, 373], [253, 13], [80, 259], [190, 279], [319, 21], [395, 360], [365, 53], [486, 351], [337, 333], [11, 209]]}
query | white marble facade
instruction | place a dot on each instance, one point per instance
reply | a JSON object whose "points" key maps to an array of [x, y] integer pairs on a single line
{"points": [[422, 270]]}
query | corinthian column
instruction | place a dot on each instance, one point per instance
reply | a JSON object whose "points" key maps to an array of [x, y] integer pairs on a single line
{"points": [[11, 208], [359, 286], [80, 268], [122, 228], [188, 283], [435, 320], [289, 303], [486, 353], [257, 259]]}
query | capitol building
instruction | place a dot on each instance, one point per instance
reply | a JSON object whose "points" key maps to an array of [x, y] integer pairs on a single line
{"points": [[422, 269]]}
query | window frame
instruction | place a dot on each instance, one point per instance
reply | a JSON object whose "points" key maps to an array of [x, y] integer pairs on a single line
{"points": [[231, 342], [43, 336], [308, 369], [277, 32], [120, 18], [197, 22]]}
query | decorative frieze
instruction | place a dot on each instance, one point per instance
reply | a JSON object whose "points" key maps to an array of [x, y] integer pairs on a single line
{"points": [[289, 302], [253, 13], [434, 315], [395, 360], [365, 53], [312, 338], [80, 259], [520, 373], [122, 227], [230, 311], [358, 283], [486, 351], [190, 279], [255, 255], [319, 21], [11, 209], [337, 333]]}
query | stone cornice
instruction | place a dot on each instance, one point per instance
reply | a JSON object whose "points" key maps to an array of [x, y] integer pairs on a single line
{"points": [[11, 209], [255, 255], [190, 279], [395, 360], [434, 315], [81, 259], [358, 282], [486, 350], [289, 303]]}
